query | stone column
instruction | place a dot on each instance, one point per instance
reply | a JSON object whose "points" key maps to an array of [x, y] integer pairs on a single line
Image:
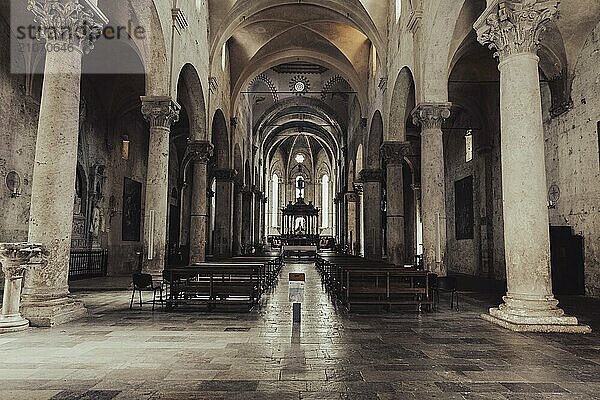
{"points": [[433, 193], [16, 258], [210, 226], [160, 112], [258, 201], [247, 211], [371, 180], [237, 220], [200, 152], [351, 221], [513, 29], [46, 300], [224, 214], [393, 154]]}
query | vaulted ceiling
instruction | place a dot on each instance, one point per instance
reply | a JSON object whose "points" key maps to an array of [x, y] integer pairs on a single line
{"points": [[261, 34]]}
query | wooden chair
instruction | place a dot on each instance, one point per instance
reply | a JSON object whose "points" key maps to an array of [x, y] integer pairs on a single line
{"points": [[145, 283], [444, 284]]}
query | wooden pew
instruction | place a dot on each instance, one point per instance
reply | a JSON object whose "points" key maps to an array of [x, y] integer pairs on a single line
{"points": [[216, 283], [357, 281]]}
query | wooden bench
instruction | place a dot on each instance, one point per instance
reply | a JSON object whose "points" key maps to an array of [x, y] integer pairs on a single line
{"points": [[357, 281], [216, 283]]}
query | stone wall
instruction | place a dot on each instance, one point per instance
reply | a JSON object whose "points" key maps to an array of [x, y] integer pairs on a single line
{"points": [[572, 162], [18, 119]]}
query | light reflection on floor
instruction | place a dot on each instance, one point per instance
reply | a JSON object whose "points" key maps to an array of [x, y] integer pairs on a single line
{"points": [[120, 354]]}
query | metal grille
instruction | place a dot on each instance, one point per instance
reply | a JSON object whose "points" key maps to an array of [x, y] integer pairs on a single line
{"points": [[88, 264]]}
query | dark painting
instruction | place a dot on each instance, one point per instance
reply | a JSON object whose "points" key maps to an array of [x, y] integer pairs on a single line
{"points": [[132, 210], [463, 208]]}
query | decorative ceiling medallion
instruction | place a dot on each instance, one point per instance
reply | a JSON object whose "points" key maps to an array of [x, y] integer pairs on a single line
{"points": [[299, 85]]}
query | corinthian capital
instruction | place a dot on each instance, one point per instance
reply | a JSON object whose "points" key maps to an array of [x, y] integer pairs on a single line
{"points": [[16, 257], [394, 152], [514, 26], [160, 111], [77, 23], [199, 151], [431, 115]]}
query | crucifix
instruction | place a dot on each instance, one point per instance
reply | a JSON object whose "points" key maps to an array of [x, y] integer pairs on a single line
{"points": [[300, 187]]}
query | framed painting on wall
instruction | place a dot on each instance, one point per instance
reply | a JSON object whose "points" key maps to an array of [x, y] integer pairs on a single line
{"points": [[132, 210]]}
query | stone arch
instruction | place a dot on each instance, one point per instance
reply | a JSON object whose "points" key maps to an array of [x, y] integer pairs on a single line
{"points": [[352, 10], [191, 96], [403, 102], [345, 68], [220, 140], [375, 140]]}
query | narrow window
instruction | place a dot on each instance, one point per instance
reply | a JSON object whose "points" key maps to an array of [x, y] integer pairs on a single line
{"points": [[469, 146], [275, 202], [398, 9], [325, 200], [223, 56]]}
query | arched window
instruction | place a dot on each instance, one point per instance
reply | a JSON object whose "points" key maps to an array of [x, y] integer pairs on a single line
{"points": [[223, 56], [398, 9], [275, 201], [325, 200]]}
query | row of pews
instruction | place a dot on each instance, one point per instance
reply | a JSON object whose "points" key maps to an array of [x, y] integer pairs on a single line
{"points": [[355, 281], [233, 281]]}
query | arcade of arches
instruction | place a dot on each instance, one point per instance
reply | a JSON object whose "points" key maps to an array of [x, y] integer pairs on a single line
{"points": [[460, 136]]}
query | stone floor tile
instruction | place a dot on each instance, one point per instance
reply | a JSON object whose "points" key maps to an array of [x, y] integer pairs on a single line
{"points": [[115, 353]]}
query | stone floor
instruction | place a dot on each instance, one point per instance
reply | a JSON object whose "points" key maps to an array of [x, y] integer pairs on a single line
{"points": [[120, 354]]}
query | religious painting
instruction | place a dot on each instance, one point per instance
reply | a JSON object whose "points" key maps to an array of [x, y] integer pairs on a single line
{"points": [[463, 208], [132, 210]]}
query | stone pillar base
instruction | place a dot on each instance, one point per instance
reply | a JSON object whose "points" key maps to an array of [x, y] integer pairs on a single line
{"points": [[542, 324], [53, 312], [13, 324]]}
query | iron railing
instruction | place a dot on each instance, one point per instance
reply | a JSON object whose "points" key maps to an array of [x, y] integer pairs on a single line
{"points": [[86, 264]]}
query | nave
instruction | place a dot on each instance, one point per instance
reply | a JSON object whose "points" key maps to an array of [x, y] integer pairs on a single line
{"points": [[115, 353]]}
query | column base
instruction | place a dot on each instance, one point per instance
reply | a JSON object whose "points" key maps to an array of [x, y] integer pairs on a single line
{"points": [[534, 315], [53, 312], [13, 324]]}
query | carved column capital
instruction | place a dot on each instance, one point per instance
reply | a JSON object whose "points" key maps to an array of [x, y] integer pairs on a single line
{"points": [[370, 175], [225, 175], [199, 151], [431, 115], [160, 111], [16, 257], [394, 152], [77, 23], [512, 27]]}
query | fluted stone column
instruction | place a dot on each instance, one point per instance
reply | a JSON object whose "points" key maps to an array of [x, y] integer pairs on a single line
{"points": [[224, 212], [393, 154], [513, 29], [200, 152], [371, 180], [161, 112], [16, 259], [433, 194], [46, 300]]}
